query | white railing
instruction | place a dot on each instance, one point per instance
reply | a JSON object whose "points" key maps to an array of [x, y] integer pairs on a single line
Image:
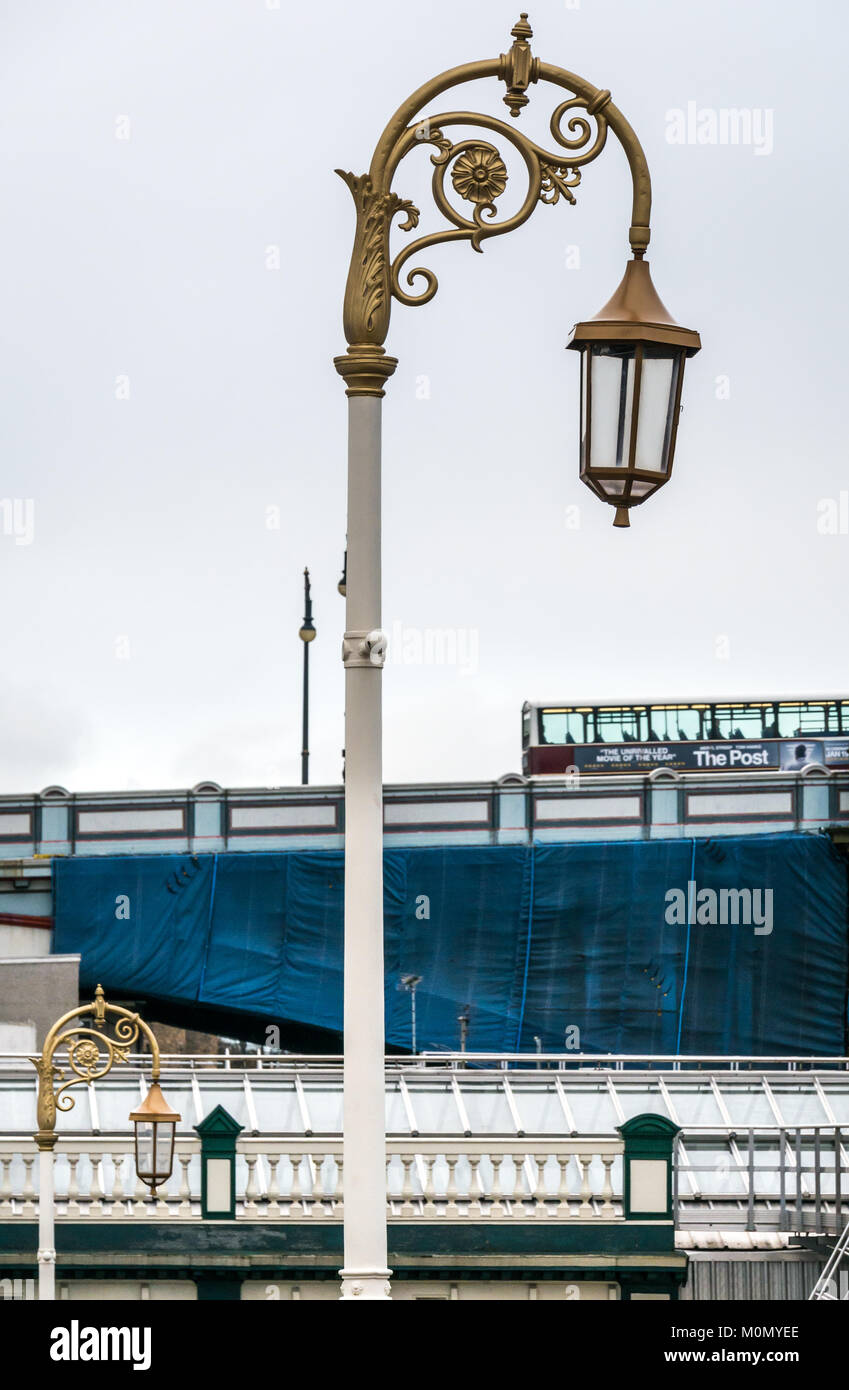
{"points": [[469, 1062], [303, 1179]]}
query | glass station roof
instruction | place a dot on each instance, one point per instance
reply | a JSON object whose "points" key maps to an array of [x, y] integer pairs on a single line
{"points": [[288, 1096]]}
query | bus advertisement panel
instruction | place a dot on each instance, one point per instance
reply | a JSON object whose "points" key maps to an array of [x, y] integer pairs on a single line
{"points": [[751, 755]]}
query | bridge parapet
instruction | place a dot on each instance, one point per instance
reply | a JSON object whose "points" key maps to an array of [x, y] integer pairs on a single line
{"points": [[512, 810]]}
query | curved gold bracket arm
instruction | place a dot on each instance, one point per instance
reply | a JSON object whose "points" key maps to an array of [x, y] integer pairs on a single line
{"points": [[479, 176], [91, 1054]]}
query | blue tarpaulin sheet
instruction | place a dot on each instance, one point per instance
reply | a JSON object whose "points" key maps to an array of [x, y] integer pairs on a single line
{"points": [[615, 947]]}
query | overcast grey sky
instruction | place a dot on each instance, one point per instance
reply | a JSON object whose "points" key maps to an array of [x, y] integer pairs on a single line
{"points": [[163, 389]]}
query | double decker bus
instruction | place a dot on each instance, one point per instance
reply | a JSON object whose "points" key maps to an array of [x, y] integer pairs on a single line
{"points": [[782, 735]]}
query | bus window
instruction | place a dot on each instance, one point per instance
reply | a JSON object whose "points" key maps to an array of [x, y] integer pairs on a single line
{"points": [[844, 716], [621, 725], [808, 717], [562, 726], [671, 723], [526, 726], [743, 721]]}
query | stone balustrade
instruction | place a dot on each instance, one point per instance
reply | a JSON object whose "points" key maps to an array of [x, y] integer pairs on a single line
{"points": [[294, 1179]]}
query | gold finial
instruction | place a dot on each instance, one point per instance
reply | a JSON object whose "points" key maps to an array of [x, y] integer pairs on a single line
{"points": [[99, 1007], [519, 68]]}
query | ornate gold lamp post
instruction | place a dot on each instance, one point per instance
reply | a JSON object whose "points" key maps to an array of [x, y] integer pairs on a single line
{"points": [[633, 356], [91, 1054]]}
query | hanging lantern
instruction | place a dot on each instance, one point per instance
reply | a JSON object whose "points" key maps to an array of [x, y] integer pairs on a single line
{"points": [[632, 369], [155, 1125]]}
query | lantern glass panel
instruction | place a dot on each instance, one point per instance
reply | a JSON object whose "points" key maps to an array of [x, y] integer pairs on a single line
{"points": [[658, 392], [144, 1148], [611, 405], [164, 1144], [585, 369]]}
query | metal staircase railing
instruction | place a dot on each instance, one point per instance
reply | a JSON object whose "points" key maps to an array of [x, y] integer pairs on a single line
{"points": [[827, 1287]]}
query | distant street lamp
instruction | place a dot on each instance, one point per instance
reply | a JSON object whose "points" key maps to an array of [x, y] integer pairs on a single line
{"points": [[307, 635], [411, 983], [154, 1121], [633, 357]]}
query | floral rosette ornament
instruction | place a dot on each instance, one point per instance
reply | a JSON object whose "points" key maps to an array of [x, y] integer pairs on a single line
{"points": [[479, 175]]}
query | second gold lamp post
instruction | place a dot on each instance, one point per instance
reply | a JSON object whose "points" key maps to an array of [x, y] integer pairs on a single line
{"points": [[78, 1050], [632, 365]]}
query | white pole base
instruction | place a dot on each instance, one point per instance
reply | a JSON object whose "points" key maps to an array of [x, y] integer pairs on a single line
{"points": [[366, 1285]]}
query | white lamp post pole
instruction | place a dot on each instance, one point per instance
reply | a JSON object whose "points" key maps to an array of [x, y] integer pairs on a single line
{"points": [[46, 1218], [365, 1274]]}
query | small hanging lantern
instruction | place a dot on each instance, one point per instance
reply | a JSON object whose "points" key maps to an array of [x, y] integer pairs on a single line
{"points": [[632, 369], [155, 1125]]}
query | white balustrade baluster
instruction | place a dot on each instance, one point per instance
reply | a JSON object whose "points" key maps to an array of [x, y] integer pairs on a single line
{"points": [[585, 1208], [451, 1193], [250, 1185], [28, 1191], [109, 1182], [5, 1183], [407, 1163], [319, 1207], [273, 1185], [607, 1208], [185, 1207], [95, 1191], [563, 1208], [496, 1206], [296, 1195], [475, 1206], [542, 1208], [117, 1195], [526, 1204], [73, 1185], [338, 1191]]}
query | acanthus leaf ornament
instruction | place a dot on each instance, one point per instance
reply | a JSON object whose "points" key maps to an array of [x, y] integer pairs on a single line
{"points": [[366, 311], [46, 1104]]}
